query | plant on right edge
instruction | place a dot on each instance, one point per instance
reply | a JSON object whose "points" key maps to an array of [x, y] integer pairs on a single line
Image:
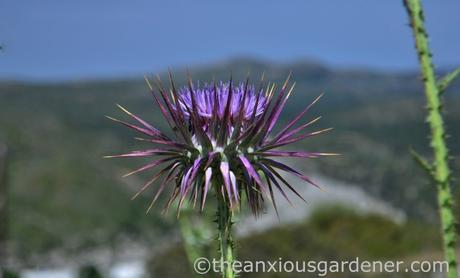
{"points": [[438, 170]]}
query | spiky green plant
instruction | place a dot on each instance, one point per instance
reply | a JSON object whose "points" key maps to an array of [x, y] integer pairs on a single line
{"points": [[439, 169]]}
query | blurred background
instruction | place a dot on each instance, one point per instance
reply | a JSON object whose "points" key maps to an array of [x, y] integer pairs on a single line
{"points": [[66, 212]]}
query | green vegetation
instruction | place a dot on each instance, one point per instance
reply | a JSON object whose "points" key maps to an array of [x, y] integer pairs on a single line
{"points": [[65, 196], [439, 170], [89, 271], [332, 233]]}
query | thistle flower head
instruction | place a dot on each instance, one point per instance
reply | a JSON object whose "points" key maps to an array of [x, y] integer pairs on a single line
{"points": [[205, 98], [223, 141]]}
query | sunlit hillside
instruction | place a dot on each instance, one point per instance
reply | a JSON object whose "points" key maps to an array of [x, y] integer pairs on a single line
{"points": [[64, 196]]}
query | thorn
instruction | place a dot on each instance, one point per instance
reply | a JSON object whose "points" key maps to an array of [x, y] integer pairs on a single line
{"points": [[330, 154], [291, 90], [129, 174], [286, 81], [124, 109], [158, 78], [111, 118], [148, 82], [321, 188], [321, 131]]}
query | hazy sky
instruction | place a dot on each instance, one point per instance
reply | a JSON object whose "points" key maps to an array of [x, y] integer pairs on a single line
{"points": [[66, 39]]}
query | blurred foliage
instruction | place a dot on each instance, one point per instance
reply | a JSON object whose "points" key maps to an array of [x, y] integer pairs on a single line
{"points": [[65, 196], [333, 233], [89, 271], [9, 274]]}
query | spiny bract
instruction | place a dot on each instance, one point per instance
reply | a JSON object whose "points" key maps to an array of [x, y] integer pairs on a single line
{"points": [[222, 139]]}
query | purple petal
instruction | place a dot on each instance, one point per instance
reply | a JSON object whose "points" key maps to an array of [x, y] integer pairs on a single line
{"points": [[270, 176], [278, 107], [224, 169], [140, 129], [180, 112], [196, 166], [152, 180], [207, 182], [144, 123], [291, 154], [150, 165], [234, 186], [167, 179], [226, 117], [169, 143], [173, 114], [297, 130], [184, 182], [172, 117], [252, 172], [284, 142], [145, 153], [286, 168], [211, 157], [296, 119], [274, 172]]}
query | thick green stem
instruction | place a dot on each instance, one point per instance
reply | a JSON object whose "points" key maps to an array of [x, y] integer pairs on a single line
{"points": [[441, 172], [224, 222]]}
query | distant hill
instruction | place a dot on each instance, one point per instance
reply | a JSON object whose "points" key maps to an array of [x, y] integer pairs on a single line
{"points": [[64, 195]]}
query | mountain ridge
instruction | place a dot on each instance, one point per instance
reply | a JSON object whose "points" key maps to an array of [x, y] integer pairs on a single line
{"points": [[57, 136]]}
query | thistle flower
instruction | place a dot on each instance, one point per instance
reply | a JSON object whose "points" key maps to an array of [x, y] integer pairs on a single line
{"points": [[222, 138]]}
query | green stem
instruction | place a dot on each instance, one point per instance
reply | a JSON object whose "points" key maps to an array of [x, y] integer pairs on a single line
{"points": [[224, 222], [441, 171]]}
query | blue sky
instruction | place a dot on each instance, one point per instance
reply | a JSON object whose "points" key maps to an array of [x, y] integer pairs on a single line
{"points": [[56, 40]]}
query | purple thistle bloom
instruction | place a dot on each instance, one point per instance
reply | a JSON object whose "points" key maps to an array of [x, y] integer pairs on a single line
{"points": [[223, 139], [205, 101]]}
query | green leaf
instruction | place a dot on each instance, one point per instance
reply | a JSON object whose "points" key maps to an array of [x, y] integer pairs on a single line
{"points": [[424, 164], [444, 82]]}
